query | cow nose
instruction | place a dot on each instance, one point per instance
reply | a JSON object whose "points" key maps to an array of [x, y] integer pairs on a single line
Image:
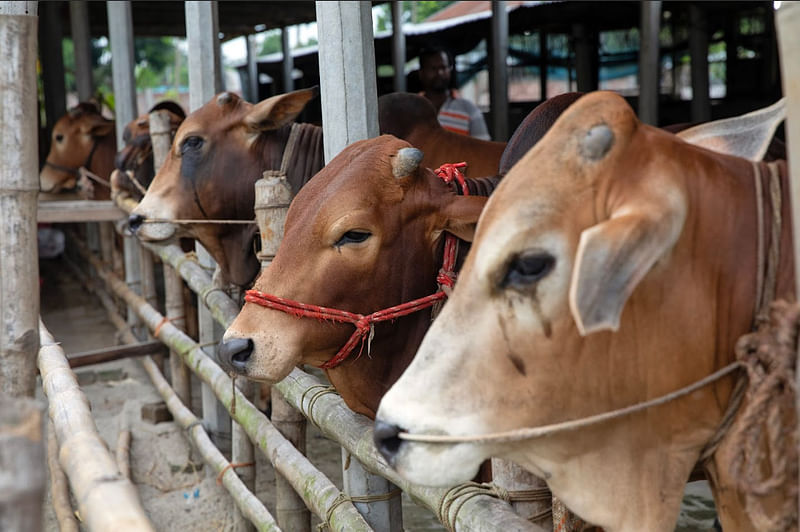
{"points": [[135, 221], [385, 437], [235, 353]]}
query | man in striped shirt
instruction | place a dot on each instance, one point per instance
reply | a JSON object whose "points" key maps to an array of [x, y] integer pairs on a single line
{"points": [[455, 114]]}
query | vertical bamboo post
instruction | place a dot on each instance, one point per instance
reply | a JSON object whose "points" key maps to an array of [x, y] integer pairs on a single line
{"points": [[499, 71], [787, 20], [120, 33], [698, 52], [22, 459], [81, 36], [161, 139], [287, 65], [272, 199], [398, 48], [512, 477], [19, 186], [347, 59]]}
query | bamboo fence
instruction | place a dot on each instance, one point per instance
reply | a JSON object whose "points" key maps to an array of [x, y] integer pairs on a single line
{"points": [[106, 499], [246, 501], [469, 511], [318, 492]]}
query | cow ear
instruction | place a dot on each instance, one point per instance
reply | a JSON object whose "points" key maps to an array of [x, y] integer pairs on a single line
{"points": [[745, 136], [98, 127], [615, 255], [461, 215], [279, 110]]}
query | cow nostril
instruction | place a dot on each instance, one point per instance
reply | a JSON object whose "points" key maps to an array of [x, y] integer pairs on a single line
{"points": [[235, 353], [385, 436], [135, 221]]}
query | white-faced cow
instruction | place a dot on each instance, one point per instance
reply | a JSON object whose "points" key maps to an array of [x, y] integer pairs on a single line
{"points": [[614, 264]]}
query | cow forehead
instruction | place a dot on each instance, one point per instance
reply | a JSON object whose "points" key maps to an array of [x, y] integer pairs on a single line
{"points": [[215, 117]]}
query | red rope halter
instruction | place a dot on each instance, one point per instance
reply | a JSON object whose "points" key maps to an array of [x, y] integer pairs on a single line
{"points": [[364, 323]]}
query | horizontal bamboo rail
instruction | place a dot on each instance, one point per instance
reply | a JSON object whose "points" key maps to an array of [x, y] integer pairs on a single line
{"points": [[247, 502], [106, 499], [354, 432], [468, 511], [318, 492]]}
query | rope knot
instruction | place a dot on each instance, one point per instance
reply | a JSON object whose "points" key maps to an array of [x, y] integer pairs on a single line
{"points": [[446, 278]]}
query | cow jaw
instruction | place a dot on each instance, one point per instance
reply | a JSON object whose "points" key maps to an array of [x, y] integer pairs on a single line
{"points": [[153, 206]]}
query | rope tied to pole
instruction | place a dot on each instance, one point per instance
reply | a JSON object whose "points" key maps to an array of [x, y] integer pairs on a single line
{"points": [[321, 389], [766, 431], [365, 499], [232, 465], [364, 323]]}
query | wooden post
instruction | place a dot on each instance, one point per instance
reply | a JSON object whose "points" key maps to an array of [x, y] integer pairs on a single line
{"points": [[79, 24], [202, 35], [398, 47], [698, 51], [22, 459], [512, 477], [649, 62], [787, 22], [19, 186], [287, 66], [543, 63], [273, 195], [252, 69], [120, 30], [161, 138], [59, 488], [499, 71], [347, 59], [52, 61], [586, 61]]}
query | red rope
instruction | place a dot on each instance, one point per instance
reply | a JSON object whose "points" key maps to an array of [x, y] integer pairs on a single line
{"points": [[364, 323]]}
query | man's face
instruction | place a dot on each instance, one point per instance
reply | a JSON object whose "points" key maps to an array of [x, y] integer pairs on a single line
{"points": [[434, 72]]}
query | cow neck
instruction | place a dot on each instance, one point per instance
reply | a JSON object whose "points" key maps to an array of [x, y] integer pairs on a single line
{"points": [[365, 323], [306, 156]]}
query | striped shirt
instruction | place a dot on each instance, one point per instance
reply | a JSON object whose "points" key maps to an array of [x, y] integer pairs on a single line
{"points": [[462, 116]]}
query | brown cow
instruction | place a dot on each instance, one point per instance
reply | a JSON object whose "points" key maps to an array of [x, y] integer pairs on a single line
{"points": [[235, 142], [365, 234], [614, 264], [82, 138], [412, 117], [135, 160]]}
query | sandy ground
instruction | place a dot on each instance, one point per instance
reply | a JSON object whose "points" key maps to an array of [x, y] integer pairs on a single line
{"points": [[177, 490]]}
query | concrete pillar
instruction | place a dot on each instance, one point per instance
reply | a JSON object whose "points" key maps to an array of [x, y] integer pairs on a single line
{"points": [[346, 59], [498, 86], [698, 51], [19, 187], [649, 62], [398, 48], [81, 40], [287, 65]]}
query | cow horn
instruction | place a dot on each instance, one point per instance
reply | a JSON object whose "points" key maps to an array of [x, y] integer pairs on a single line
{"points": [[597, 142], [406, 161], [224, 99]]}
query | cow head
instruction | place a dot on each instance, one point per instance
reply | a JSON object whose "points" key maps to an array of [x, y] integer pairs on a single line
{"points": [[590, 233], [75, 141], [218, 153], [135, 159], [361, 236]]}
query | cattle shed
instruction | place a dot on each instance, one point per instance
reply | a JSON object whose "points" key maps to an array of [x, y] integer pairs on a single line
{"points": [[143, 297]]}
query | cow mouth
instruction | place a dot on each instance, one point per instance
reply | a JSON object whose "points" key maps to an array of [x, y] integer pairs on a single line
{"points": [[156, 231]]}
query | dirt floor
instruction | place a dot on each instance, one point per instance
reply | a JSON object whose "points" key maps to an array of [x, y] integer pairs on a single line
{"points": [[177, 491]]}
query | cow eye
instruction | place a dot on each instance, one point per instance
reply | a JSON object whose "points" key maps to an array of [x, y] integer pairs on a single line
{"points": [[352, 237], [59, 137], [527, 268], [191, 143]]}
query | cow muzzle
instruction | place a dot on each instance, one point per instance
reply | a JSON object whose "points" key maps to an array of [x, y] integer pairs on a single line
{"points": [[234, 354]]}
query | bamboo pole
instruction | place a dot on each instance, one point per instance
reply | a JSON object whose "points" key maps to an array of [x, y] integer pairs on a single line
{"points": [[354, 433], [243, 454], [59, 490], [22, 476], [317, 491], [122, 453], [161, 139], [787, 20], [19, 185], [248, 504], [106, 499]]}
